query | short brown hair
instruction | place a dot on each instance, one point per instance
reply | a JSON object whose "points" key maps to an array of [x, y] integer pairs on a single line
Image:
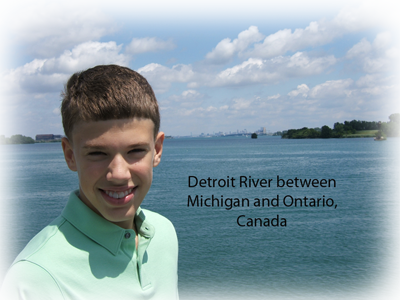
{"points": [[106, 93]]}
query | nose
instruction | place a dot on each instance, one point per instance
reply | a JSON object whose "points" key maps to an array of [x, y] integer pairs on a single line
{"points": [[118, 170]]}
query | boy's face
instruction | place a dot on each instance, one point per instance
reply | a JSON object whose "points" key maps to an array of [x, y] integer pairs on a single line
{"points": [[114, 160]]}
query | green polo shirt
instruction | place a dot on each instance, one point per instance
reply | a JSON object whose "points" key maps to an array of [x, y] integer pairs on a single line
{"points": [[80, 255]]}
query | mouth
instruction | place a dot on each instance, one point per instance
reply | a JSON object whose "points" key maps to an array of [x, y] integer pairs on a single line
{"points": [[118, 195]]}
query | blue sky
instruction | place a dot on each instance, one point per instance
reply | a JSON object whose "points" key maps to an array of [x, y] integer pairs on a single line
{"points": [[214, 65]]}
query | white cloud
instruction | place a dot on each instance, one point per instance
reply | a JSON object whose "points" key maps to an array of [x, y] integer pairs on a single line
{"points": [[277, 96], [282, 41], [350, 19], [249, 72], [50, 29], [148, 44], [371, 80], [373, 65], [241, 104], [302, 90], [190, 94], [393, 52], [86, 55], [273, 70], [49, 75], [360, 48], [161, 77], [56, 111], [188, 98], [382, 41], [325, 103], [260, 60], [332, 89], [311, 106], [378, 56], [226, 49], [337, 100], [201, 112], [380, 45], [376, 84]]}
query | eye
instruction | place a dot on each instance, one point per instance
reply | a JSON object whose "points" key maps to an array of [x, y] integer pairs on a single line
{"points": [[137, 150], [96, 153]]}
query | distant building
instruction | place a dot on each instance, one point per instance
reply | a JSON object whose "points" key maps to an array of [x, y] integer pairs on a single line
{"points": [[48, 137]]}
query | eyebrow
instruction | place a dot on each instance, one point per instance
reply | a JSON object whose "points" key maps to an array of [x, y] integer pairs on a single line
{"points": [[101, 147]]}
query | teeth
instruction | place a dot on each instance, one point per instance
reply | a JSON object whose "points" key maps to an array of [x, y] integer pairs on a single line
{"points": [[117, 195]]}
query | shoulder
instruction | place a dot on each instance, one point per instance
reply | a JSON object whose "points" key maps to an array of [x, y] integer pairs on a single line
{"points": [[28, 280], [30, 277], [38, 245]]}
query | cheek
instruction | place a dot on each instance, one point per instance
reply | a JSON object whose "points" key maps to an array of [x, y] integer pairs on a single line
{"points": [[144, 170], [90, 173]]}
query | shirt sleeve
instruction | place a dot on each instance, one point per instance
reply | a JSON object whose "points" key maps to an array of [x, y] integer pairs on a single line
{"points": [[28, 281]]}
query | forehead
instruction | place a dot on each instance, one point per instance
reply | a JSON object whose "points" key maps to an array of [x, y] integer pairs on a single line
{"points": [[113, 132]]}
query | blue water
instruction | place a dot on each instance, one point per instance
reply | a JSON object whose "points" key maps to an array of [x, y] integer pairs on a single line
{"points": [[322, 250]]}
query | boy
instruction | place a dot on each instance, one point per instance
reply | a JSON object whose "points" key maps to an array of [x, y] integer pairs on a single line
{"points": [[103, 245]]}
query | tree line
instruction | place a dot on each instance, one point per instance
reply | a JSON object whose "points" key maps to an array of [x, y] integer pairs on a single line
{"points": [[17, 139], [391, 128]]}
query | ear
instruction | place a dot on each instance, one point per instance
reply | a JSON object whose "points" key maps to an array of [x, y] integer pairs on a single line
{"points": [[69, 154], [158, 147]]}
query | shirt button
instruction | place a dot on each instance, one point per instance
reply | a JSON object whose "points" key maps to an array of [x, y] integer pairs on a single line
{"points": [[127, 235]]}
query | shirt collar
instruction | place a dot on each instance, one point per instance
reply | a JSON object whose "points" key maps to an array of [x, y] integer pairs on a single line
{"points": [[103, 232]]}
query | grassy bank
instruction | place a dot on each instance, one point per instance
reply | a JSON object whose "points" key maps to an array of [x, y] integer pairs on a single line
{"points": [[362, 134]]}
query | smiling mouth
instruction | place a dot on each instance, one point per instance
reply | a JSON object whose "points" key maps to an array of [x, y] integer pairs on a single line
{"points": [[118, 195]]}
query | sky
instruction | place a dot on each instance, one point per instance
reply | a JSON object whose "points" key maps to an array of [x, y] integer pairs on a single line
{"points": [[215, 66]]}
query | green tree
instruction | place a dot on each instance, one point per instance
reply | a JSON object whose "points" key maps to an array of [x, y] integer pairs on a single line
{"points": [[391, 128], [326, 132], [338, 127], [395, 118], [21, 139], [303, 133]]}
